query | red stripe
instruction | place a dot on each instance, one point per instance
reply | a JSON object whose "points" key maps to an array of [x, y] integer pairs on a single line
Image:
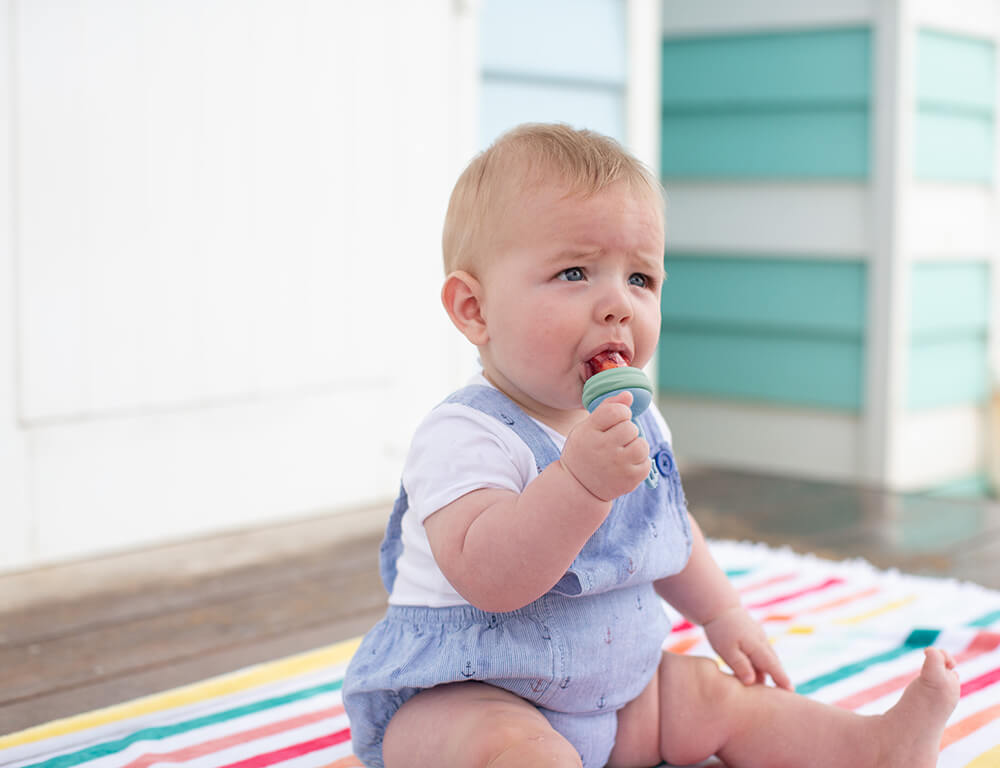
{"points": [[792, 595], [983, 642], [978, 683], [225, 742], [296, 750], [832, 582]]}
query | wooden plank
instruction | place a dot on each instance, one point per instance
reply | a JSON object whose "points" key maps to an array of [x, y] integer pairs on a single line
{"points": [[121, 648], [53, 620], [58, 703]]}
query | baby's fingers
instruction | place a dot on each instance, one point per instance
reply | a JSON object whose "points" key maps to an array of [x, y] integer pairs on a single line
{"points": [[612, 411], [741, 666], [765, 660]]}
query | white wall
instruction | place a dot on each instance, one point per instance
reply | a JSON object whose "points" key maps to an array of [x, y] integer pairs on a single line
{"points": [[218, 298]]}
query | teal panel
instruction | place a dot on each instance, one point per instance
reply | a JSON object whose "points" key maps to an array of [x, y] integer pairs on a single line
{"points": [[815, 66], [766, 145], [787, 331], [977, 486], [556, 61], [949, 297], [788, 105], [824, 373], [574, 39], [949, 323], [766, 295], [955, 70], [953, 147], [947, 372], [954, 135], [507, 103]]}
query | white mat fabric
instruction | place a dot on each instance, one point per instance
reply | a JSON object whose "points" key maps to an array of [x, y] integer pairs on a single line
{"points": [[848, 634]]}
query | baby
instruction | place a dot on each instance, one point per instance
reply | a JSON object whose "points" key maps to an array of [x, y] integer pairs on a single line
{"points": [[525, 556]]}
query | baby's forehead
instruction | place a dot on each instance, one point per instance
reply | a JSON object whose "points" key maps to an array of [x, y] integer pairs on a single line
{"points": [[556, 189]]}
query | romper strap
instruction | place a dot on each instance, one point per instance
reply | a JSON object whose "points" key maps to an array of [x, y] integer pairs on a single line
{"points": [[495, 403]]}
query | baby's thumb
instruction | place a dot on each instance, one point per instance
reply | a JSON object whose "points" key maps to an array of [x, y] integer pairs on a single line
{"points": [[624, 397]]}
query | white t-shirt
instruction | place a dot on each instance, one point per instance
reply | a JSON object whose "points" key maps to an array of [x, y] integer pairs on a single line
{"points": [[455, 450]]}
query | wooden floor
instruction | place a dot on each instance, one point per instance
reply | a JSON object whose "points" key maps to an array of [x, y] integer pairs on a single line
{"points": [[85, 635]]}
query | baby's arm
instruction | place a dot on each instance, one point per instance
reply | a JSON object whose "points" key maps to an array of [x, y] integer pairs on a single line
{"points": [[501, 550], [703, 594]]}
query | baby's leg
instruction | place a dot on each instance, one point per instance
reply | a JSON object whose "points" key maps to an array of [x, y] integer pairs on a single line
{"points": [[473, 725], [702, 712]]}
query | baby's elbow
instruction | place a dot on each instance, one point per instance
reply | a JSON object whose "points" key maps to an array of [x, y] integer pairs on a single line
{"points": [[494, 598]]}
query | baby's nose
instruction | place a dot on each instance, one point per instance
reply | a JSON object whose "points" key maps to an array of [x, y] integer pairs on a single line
{"points": [[616, 308]]}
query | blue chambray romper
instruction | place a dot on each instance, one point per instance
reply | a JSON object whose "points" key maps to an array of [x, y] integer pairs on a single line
{"points": [[579, 653]]}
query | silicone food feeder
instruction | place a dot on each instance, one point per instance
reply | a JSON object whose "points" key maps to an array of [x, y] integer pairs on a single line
{"points": [[613, 376]]}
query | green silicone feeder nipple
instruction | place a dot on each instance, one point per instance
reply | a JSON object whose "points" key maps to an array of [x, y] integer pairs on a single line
{"points": [[623, 378]]}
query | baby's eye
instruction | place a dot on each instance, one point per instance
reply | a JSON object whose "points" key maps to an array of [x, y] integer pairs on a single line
{"points": [[572, 275], [640, 280]]}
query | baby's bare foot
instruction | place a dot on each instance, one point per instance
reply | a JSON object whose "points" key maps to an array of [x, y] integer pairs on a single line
{"points": [[911, 730]]}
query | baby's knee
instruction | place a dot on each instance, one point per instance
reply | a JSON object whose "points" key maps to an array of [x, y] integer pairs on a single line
{"points": [[520, 742], [694, 707], [703, 683]]}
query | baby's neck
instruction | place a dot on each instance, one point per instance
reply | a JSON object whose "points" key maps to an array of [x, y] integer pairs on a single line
{"points": [[559, 420]]}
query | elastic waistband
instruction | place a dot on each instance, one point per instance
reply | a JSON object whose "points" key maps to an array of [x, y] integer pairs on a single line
{"points": [[459, 614], [540, 609]]}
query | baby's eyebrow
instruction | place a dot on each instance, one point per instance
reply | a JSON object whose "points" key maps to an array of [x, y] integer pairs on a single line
{"points": [[575, 254], [652, 265]]}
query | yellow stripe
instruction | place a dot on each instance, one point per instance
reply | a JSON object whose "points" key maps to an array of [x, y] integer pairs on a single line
{"points": [[233, 682], [989, 759], [800, 630], [887, 608]]}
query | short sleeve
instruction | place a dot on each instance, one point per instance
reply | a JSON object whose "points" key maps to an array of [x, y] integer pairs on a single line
{"points": [[662, 424], [458, 449]]}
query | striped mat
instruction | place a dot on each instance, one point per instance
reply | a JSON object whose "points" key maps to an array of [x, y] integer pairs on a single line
{"points": [[848, 634]]}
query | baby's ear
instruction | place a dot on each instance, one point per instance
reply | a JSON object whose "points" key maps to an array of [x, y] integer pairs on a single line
{"points": [[462, 299]]}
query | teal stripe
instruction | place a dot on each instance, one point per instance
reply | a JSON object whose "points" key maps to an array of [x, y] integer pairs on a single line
{"points": [[766, 144], [811, 371], [955, 70], [166, 731], [773, 105], [987, 620], [919, 638], [735, 572], [771, 294], [799, 67], [948, 371]]}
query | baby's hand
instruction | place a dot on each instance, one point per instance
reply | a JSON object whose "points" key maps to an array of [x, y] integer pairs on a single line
{"points": [[605, 453], [742, 644]]}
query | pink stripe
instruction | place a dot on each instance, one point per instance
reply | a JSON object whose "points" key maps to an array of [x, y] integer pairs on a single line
{"points": [[225, 742], [832, 582], [296, 750], [767, 582], [978, 683], [983, 642]]}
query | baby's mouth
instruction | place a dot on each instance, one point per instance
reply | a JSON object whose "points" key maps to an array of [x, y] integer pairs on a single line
{"points": [[604, 361]]}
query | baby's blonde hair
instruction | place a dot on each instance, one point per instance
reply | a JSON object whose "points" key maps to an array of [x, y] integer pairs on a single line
{"points": [[531, 154]]}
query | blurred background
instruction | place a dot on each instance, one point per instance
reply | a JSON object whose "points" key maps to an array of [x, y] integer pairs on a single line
{"points": [[219, 280]]}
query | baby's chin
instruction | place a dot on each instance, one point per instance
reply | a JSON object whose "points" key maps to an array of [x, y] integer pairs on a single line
{"points": [[554, 403]]}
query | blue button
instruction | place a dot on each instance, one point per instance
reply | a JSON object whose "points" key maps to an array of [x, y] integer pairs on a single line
{"points": [[664, 462]]}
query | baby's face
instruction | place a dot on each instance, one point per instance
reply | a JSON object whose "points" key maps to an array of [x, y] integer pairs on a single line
{"points": [[569, 278]]}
